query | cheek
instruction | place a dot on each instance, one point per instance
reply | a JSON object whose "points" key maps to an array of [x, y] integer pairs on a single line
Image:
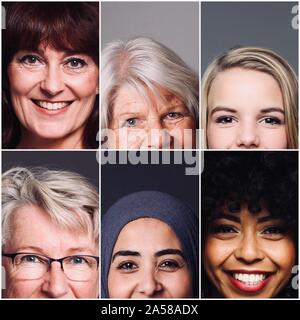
{"points": [[84, 85], [179, 284], [85, 289], [215, 253], [282, 253], [21, 81], [120, 286], [219, 137], [276, 138], [21, 289]]}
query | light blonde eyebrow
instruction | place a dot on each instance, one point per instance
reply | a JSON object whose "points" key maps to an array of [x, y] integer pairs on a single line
{"points": [[216, 109]]}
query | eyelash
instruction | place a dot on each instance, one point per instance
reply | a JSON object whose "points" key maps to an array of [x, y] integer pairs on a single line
{"points": [[166, 265], [229, 119], [173, 117], [25, 58]]}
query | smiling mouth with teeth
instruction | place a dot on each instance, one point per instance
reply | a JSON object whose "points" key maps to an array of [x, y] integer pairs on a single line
{"points": [[52, 105], [250, 279]]}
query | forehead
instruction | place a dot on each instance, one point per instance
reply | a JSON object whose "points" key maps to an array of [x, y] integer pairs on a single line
{"points": [[133, 100], [237, 86], [147, 234], [32, 226]]}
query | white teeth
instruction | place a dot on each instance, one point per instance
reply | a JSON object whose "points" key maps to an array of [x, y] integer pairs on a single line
{"points": [[250, 279], [52, 106]]}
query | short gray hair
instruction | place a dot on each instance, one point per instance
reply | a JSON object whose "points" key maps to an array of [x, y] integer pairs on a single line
{"points": [[145, 64], [69, 199]]}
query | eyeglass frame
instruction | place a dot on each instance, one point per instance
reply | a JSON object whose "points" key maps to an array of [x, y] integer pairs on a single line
{"points": [[49, 259]]}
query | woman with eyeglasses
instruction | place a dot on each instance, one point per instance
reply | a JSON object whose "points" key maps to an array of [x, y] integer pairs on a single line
{"points": [[50, 234]]}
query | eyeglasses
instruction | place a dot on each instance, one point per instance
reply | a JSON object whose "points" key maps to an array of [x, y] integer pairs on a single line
{"points": [[31, 266]]}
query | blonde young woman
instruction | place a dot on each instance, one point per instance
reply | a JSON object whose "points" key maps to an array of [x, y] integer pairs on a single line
{"points": [[250, 100]]}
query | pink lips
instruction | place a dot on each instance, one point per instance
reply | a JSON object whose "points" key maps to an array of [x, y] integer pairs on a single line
{"points": [[247, 286]]}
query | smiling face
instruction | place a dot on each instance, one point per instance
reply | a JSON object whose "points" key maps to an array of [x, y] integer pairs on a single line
{"points": [[52, 94], [147, 262], [245, 110], [141, 124], [46, 238], [248, 255]]}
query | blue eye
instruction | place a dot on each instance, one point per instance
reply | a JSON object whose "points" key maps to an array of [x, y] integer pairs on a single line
{"points": [[174, 115], [30, 259], [131, 122], [78, 260], [75, 63]]}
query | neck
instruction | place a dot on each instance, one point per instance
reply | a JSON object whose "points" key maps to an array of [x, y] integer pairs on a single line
{"points": [[29, 141]]}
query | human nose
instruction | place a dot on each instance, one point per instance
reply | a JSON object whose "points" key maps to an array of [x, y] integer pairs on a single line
{"points": [[248, 136], [52, 82], [55, 284], [157, 137], [248, 249], [149, 285]]}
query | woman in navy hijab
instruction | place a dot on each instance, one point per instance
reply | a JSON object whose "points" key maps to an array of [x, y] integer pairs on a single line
{"points": [[150, 248]]}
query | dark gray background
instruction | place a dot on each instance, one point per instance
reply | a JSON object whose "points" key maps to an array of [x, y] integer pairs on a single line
{"points": [[82, 162], [225, 25], [118, 180], [175, 24]]}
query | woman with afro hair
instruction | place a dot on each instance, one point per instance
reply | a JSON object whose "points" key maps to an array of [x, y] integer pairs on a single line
{"points": [[250, 225]]}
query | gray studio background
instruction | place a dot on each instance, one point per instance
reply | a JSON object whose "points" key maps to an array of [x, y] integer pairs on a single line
{"points": [[225, 25], [175, 24], [82, 162]]}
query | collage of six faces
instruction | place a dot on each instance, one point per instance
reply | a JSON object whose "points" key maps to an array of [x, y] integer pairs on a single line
{"points": [[184, 185]]}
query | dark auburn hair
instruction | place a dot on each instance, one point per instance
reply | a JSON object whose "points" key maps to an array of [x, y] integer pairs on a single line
{"points": [[257, 179], [67, 26]]}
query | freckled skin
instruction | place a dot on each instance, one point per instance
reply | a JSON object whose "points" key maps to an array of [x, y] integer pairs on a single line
{"points": [[153, 128], [52, 79], [247, 93], [54, 242]]}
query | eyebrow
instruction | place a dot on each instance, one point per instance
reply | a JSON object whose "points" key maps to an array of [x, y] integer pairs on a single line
{"points": [[265, 110], [126, 253], [216, 109], [238, 220], [70, 251], [169, 251]]}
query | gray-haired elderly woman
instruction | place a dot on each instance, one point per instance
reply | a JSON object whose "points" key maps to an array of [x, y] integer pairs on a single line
{"points": [[50, 234], [149, 97]]}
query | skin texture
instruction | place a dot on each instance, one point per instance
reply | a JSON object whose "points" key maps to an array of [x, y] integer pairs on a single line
{"points": [[139, 124], [248, 245], [53, 76], [245, 111], [146, 275], [45, 237]]}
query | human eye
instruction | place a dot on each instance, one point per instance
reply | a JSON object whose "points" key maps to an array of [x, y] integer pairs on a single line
{"points": [[132, 122], [174, 116], [127, 266], [224, 231], [170, 265], [271, 121], [273, 232], [30, 60], [78, 260], [29, 259], [75, 63], [225, 120]]}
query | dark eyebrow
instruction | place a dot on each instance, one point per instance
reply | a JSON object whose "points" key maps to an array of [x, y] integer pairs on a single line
{"points": [[267, 110], [216, 109], [125, 253], [228, 217], [265, 219], [169, 251]]}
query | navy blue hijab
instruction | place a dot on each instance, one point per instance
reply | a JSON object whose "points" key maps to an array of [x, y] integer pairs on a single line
{"points": [[152, 204]]}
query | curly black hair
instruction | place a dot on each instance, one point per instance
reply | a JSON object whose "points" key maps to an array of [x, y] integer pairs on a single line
{"points": [[254, 179]]}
